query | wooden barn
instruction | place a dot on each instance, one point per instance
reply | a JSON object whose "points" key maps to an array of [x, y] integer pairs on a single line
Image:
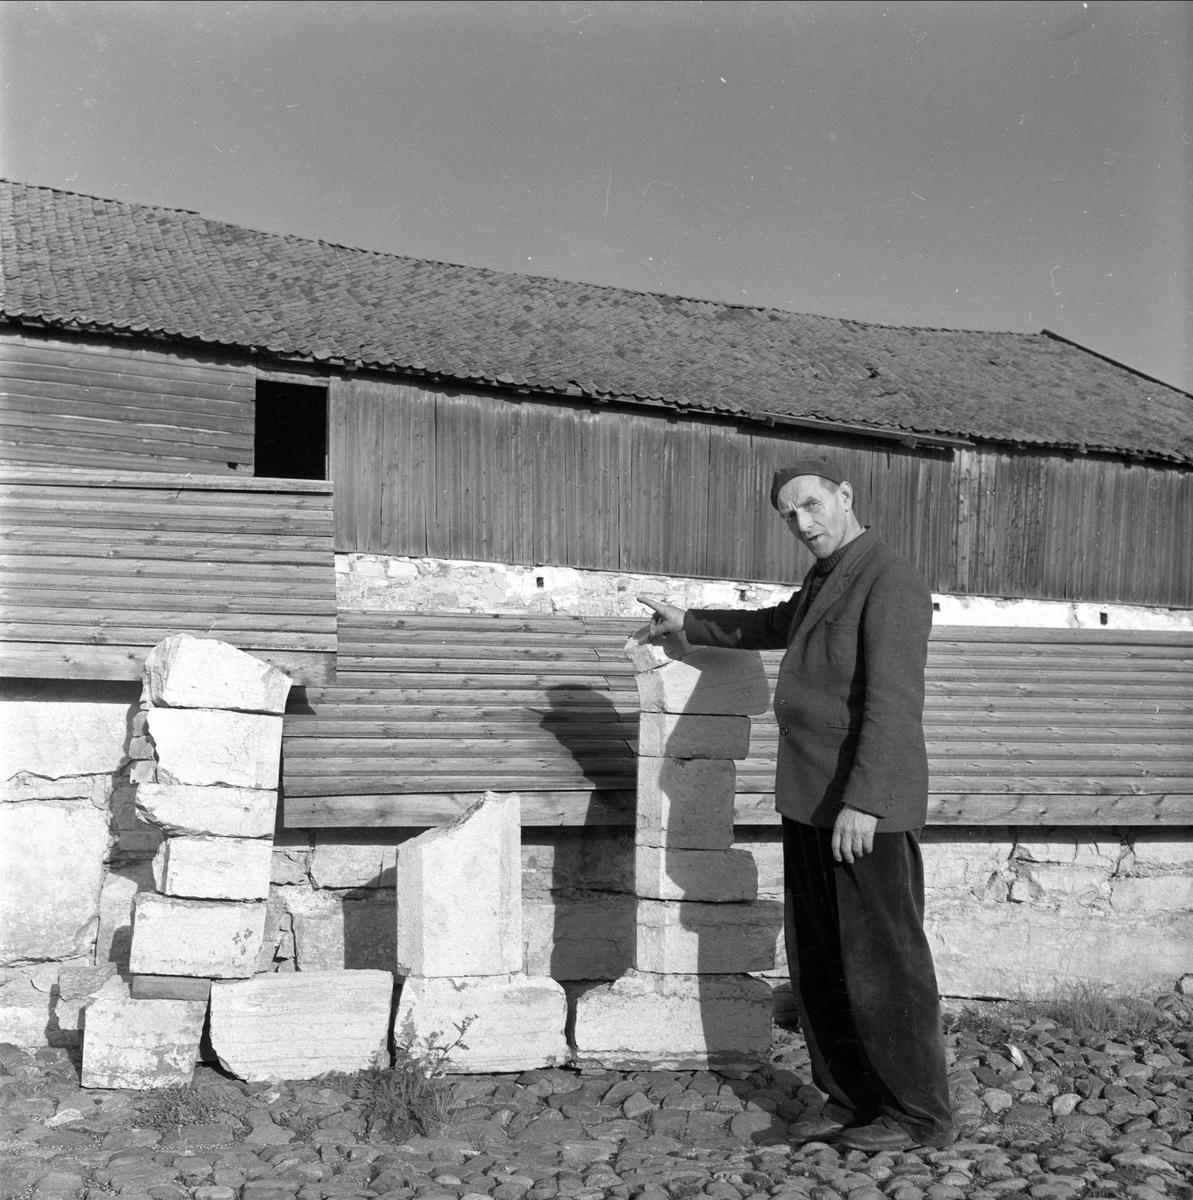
{"points": [[197, 419]]}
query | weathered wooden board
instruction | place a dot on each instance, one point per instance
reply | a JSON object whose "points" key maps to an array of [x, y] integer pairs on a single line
{"points": [[98, 567], [429, 706], [84, 402]]}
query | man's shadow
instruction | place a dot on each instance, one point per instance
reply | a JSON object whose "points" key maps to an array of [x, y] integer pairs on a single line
{"points": [[592, 873]]}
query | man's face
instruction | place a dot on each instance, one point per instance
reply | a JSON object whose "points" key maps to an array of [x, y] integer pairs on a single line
{"points": [[818, 512]]}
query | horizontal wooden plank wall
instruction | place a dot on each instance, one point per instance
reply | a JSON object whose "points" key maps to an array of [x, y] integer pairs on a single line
{"points": [[1057, 726], [506, 479], [113, 406], [96, 569]]}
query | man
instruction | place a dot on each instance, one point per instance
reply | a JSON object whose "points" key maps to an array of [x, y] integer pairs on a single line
{"points": [[851, 785]]}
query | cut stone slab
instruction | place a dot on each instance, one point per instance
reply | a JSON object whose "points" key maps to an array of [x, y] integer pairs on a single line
{"points": [[190, 672], [1017, 950], [56, 738], [682, 938], [214, 868], [692, 735], [674, 1023], [51, 873], [662, 873], [169, 987], [202, 746], [140, 1044], [459, 894], [685, 804], [357, 864], [708, 680], [514, 1022], [590, 936], [297, 1026], [216, 811], [216, 938]]}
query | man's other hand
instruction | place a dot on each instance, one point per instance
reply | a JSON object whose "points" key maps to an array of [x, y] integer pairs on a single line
{"points": [[853, 834], [667, 618]]}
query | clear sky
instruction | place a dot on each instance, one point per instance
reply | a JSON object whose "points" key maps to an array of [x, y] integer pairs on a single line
{"points": [[973, 165]]}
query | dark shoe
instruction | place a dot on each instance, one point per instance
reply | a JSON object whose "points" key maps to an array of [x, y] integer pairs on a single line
{"points": [[815, 1129], [883, 1134]]}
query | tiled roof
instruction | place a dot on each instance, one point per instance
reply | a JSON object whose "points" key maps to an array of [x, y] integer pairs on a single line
{"points": [[78, 261]]}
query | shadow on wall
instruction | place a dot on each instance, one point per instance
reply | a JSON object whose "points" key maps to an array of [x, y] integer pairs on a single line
{"points": [[592, 867]]}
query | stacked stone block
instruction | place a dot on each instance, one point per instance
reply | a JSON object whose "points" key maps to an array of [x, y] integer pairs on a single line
{"points": [[214, 719], [460, 949], [689, 1002], [206, 748]]}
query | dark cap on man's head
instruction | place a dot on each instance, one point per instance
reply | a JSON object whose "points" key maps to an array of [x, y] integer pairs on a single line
{"points": [[826, 468]]}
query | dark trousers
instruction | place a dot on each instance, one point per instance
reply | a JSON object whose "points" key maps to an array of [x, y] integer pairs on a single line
{"points": [[864, 983]]}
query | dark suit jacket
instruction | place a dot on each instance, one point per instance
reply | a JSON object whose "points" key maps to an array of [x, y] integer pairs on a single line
{"points": [[850, 694]]}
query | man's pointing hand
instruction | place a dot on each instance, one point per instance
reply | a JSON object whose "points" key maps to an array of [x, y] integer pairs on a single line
{"points": [[667, 618]]}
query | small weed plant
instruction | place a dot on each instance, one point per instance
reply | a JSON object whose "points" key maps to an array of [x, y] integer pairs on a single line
{"points": [[410, 1097], [1089, 1011], [181, 1105]]}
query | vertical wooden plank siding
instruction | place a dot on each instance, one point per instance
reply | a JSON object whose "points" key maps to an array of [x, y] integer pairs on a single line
{"points": [[502, 479], [343, 453], [68, 403]]}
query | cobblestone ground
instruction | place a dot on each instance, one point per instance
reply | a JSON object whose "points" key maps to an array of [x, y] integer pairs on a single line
{"points": [[1044, 1113]]}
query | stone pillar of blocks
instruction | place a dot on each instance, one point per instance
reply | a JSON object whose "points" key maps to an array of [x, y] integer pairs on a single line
{"points": [[689, 1002], [214, 723], [460, 948], [207, 750]]}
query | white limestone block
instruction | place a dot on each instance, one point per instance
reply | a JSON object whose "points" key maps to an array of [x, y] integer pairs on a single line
{"points": [[342, 864], [1158, 893], [214, 868], [51, 873], [662, 873], [217, 938], [685, 803], [218, 811], [1169, 848], [646, 655], [674, 1023], [460, 894], [692, 735], [190, 672], [707, 679], [140, 1043], [513, 1022], [683, 938], [202, 746], [56, 738], [297, 1026], [1030, 950]]}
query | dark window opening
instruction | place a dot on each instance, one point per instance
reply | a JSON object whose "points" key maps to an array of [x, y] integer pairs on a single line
{"points": [[290, 431]]}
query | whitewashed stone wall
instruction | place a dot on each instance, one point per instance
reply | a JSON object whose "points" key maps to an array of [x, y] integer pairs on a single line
{"points": [[65, 866], [379, 583]]}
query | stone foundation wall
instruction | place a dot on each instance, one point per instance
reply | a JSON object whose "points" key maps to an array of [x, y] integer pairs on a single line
{"points": [[380, 583], [1011, 912]]}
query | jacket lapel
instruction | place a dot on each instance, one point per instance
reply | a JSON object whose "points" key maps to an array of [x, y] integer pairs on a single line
{"points": [[836, 584]]}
